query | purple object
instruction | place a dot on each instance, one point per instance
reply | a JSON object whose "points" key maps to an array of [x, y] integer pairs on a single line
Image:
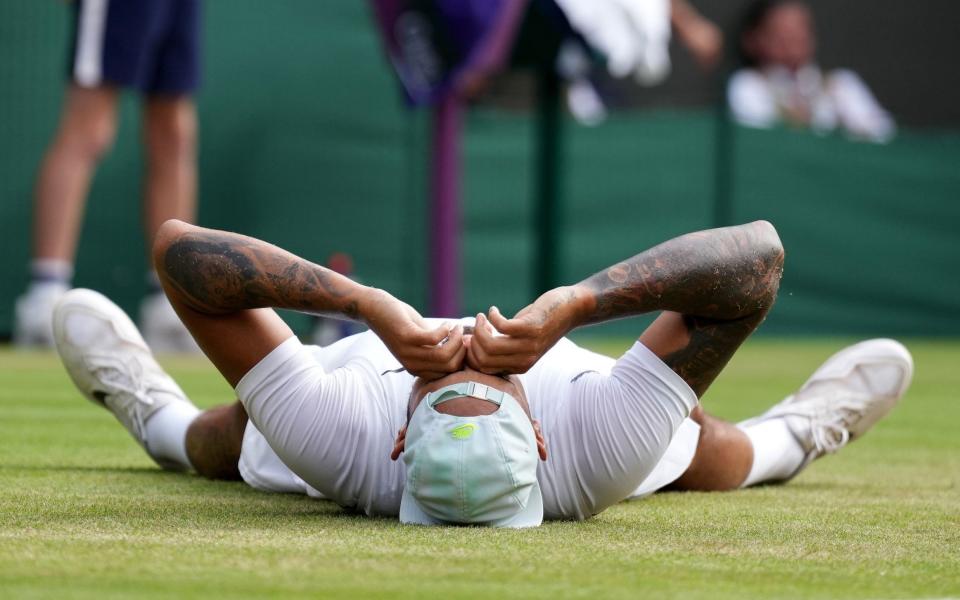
{"points": [[445, 226], [439, 47], [443, 50]]}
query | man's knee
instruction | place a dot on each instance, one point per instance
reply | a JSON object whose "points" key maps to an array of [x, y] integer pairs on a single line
{"points": [[88, 140], [89, 122]]}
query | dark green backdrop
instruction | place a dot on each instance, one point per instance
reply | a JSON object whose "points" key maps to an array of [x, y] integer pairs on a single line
{"points": [[304, 142]]}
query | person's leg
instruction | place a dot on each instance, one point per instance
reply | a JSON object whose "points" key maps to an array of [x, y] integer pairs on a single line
{"points": [[214, 440], [723, 457], [727, 456], [87, 129], [170, 140], [169, 131], [850, 392], [111, 365], [169, 117]]}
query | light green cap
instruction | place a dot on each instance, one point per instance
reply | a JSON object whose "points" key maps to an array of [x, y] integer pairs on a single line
{"points": [[471, 470]]}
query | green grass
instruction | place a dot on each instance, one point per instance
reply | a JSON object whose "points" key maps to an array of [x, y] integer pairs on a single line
{"points": [[84, 513]]}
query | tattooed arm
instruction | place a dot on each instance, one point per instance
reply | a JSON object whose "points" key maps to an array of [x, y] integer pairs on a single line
{"points": [[217, 273], [722, 282], [724, 274]]}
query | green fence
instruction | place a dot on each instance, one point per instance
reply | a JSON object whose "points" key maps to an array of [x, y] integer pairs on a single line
{"points": [[304, 142]]}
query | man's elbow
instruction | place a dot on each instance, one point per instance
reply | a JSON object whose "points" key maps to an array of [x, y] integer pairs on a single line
{"points": [[768, 263], [770, 246], [167, 234]]}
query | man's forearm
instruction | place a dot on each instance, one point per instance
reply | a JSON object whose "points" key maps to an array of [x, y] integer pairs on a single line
{"points": [[721, 283], [218, 272], [724, 274]]}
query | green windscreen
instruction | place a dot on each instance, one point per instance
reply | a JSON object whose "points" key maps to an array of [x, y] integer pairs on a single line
{"points": [[306, 143]]}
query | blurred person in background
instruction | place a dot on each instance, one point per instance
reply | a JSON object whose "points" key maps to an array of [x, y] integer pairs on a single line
{"points": [[631, 38], [781, 82], [151, 47], [701, 36]]}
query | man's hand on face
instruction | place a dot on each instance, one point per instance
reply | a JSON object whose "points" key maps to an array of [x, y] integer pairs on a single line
{"points": [[526, 337], [423, 350]]}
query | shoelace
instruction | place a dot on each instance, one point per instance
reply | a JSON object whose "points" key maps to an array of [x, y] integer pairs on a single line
{"points": [[829, 423], [123, 378], [829, 436]]}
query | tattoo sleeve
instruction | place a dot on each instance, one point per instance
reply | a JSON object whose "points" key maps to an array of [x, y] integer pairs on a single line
{"points": [[723, 282], [219, 272], [719, 273]]}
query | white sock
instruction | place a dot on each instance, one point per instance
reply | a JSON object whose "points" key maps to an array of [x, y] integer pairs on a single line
{"points": [[153, 283], [48, 287], [167, 432], [51, 270], [776, 452]]}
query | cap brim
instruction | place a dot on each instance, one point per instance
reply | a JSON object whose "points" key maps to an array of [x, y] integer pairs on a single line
{"points": [[530, 516]]}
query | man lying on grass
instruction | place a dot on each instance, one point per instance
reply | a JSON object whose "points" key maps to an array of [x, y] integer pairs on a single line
{"points": [[498, 421]]}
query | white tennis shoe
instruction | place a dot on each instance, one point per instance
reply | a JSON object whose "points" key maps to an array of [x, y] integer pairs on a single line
{"points": [[110, 363], [851, 391]]}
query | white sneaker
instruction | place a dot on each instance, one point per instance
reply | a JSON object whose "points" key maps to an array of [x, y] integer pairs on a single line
{"points": [[33, 315], [851, 391], [110, 363], [163, 329]]}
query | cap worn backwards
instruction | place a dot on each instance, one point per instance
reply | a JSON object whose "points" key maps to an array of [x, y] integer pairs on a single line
{"points": [[471, 470]]}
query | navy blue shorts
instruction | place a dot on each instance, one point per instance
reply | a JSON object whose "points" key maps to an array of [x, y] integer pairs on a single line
{"points": [[148, 45]]}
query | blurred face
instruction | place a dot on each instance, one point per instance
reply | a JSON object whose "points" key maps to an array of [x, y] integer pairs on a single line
{"points": [[785, 38]]}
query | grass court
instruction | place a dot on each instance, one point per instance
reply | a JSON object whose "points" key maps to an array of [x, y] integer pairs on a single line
{"points": [[84, 513]]}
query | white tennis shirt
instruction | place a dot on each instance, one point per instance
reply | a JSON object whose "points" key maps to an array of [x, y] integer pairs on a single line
{"points": [[324, 420]]}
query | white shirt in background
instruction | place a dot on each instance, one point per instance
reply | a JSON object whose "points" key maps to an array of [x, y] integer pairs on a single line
{"points": [[836, 99]]}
